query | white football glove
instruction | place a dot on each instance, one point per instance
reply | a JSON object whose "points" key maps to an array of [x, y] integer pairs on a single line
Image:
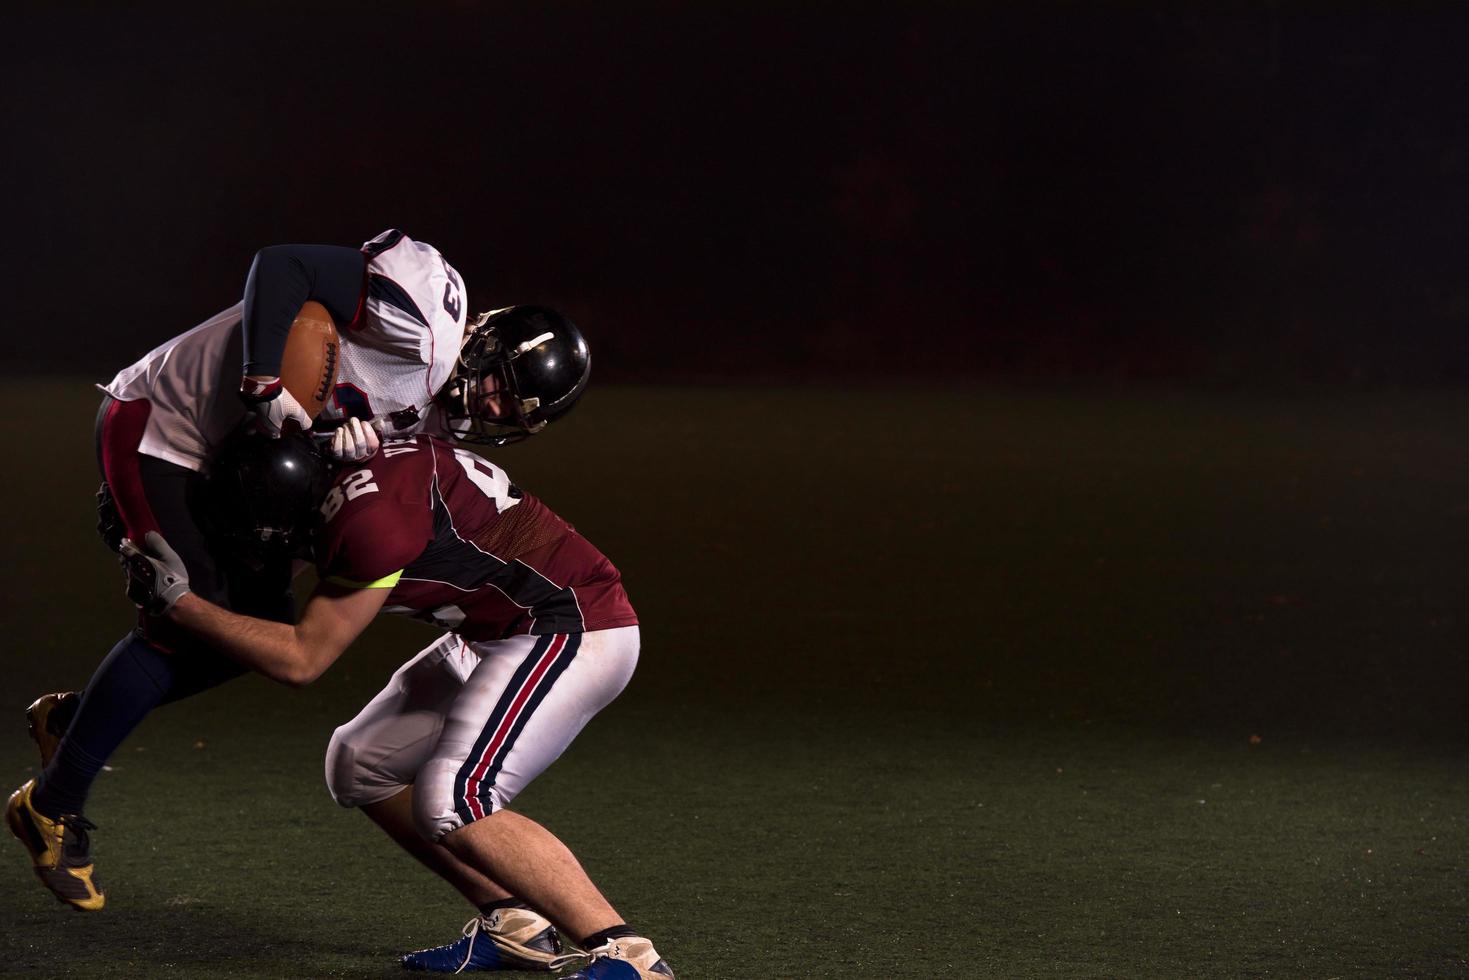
{"points": [[273, 405], [354, 441], [157, 577]]}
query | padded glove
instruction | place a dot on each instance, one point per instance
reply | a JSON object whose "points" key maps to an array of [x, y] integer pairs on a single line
{"points": [[273, 405], [156, 576]]}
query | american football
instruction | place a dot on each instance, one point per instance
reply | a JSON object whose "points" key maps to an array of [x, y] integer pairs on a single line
{"points": [[309, 365]]}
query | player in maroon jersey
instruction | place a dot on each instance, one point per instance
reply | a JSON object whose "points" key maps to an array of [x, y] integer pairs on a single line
{"points": [[543, 637]]}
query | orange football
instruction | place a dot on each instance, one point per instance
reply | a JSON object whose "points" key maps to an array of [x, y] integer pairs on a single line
{"points": [[309, 365]]}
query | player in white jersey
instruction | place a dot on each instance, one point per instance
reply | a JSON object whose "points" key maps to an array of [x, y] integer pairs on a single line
{"points": [[401, 308], [404, 341]]}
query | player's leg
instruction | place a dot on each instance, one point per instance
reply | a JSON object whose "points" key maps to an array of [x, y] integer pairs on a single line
{"points": [[371, 760], [141, 672], [525, 702], [395, 817], [371, 763], [136, 676], [532, 861], [505, 934]]}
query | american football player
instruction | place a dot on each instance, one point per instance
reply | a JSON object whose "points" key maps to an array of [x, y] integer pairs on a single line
{"points": [[405, 341], [542, 636]]}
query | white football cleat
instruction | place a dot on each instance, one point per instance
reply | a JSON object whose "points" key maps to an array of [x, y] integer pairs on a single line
{"points": [[506, 939], [629, 958]]}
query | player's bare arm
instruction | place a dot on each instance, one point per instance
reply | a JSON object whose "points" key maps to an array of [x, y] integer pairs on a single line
{"points": [[334, 616], [294, 655]]}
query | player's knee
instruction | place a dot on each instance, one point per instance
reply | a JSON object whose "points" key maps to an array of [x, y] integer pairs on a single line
{"points": [[442, 802], [270, 257], [341, 769], [433, 814], [351, 783]]}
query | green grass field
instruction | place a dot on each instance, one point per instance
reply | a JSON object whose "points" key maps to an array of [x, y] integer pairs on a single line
{"points": [[958, 685]]}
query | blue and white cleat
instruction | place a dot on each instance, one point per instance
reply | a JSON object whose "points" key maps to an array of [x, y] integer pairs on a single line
{"points": [[632, 958], [506, 939]]}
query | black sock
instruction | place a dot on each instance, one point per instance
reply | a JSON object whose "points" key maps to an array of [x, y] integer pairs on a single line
{"points": [[504, 903], [62, 788], [601, 938]]}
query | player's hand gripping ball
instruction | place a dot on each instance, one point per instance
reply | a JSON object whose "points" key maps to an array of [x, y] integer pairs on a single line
{"points": [[157, 577], [307, 379], [273, 406], [354, 442]]}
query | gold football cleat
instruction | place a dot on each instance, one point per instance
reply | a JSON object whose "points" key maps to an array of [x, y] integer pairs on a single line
{"points": [[60, 850], [48, 718]]}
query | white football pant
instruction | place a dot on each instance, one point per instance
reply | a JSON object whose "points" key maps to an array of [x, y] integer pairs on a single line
{"points": [[469, 725]]}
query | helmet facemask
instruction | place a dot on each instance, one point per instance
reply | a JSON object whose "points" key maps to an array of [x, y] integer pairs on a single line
{"points": [[487, 361]]}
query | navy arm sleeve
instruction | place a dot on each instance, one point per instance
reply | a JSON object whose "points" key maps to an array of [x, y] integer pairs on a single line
{"points": [[282, 277]]}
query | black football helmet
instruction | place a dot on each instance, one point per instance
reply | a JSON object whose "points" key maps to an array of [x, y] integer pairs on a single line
{"points": [[261, 496], [539, 362]]}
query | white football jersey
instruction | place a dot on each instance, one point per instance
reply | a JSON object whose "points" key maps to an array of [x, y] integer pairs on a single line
{"points": [[394, 356]]}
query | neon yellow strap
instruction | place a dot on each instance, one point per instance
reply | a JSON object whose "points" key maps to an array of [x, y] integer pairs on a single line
{"points": [[386, 582]]}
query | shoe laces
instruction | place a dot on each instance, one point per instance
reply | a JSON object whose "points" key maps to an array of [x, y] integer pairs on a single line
{"points": [[471, 932], [613, 949]]}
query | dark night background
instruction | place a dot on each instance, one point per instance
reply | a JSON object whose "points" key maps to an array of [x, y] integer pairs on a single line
{"points": [[1269, 192], [1119, 633]]}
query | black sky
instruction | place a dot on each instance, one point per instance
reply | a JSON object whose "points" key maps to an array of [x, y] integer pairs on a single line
{"points": [[1263, 190]]}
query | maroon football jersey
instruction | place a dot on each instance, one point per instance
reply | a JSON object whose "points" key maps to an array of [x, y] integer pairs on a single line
{"points": [[477, 555]]}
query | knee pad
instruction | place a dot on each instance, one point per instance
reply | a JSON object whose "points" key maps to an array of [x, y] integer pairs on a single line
{"points": [[341, 771], [351, 782]]}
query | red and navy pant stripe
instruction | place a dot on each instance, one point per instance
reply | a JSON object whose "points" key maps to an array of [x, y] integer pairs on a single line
{"points": [[532, 681]]}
